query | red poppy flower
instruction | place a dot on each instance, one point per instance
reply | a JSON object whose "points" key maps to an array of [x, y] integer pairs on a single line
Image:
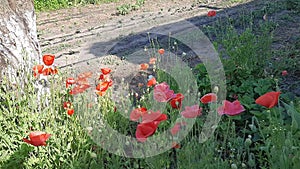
{"points": [[177, 127], [105, 71], [208, 98], [157, 117], [79, 89], [144, 66], [101, 77], [284, 73], [231, 109], [152, 61], [151, 82], [83, 78], [137, 113], [162, 92], [161, 51], [37, 138], [37, 69], [70, 81], [102, 86], [191, 111], [211, 13], [268, 100], [100, 93], [145, 130], [176, 102], [70, 112], [110, 82], [48, 59], [175, 145], [67, 105], [49, 71]]}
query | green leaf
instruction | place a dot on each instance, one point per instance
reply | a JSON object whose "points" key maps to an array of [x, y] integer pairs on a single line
{"points": [[294, 114]]}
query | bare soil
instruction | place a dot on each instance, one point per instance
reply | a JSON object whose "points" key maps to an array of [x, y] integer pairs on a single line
{"points": [[90, 37]]}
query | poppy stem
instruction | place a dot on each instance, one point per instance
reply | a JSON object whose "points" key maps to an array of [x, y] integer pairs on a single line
{"points": [[173, 154]]}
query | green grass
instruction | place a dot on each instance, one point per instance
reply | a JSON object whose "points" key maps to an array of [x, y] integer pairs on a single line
{"points": [[47, 5]]}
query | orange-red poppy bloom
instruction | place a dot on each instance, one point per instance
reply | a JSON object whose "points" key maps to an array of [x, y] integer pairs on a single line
{"points": [[175, 145], [268, 100], [144, 66], [176, 102], [37, 138], [284, 73], [177, 127], [152, 61], [191, 111], [37, 69], [208, 98], [161, 51], [144, 130], [48, 59], [163, 93], [49, 71], [231, 108], [151, 82], [70, 112], [102, 86], [105, 71], [79, 89], [137, 113], [70, 81], [67, 105], [110, 82], [157, 117], [101, 77], [211, 13], [85, 75]]}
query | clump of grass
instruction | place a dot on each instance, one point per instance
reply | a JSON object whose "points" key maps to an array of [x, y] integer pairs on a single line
{"points": [[127, 8], [42, 5]]}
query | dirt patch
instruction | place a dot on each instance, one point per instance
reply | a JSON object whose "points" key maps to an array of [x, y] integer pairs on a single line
{"points": [[90, 37]]}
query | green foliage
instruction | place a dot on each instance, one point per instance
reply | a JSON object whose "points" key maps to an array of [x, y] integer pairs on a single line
{"points": [[46, 5], [127, 8]]}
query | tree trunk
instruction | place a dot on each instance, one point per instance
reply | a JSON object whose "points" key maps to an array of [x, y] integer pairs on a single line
{"points": [[19, 48]]}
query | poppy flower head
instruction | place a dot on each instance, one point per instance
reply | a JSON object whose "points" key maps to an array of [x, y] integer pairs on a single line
{"points": [[70, 81], [161, 51], [192, 111], [156, 117], [48, 59], [211, 13], [177, 127], [268, 100], [144, 130], [37, 69], [70, 112], [151, 82], [49, 71], [284, 73], [163, 93], [105, 71], [208, 98], [176, 101], [79, 89], [175, 145], [137, 113], [231, 108], [152, 61], [144, 66], [67, 105], [37, 138], [102, 87]]}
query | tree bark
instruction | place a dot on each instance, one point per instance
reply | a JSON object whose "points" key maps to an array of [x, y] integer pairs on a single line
{"points": [[19, 47]]}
